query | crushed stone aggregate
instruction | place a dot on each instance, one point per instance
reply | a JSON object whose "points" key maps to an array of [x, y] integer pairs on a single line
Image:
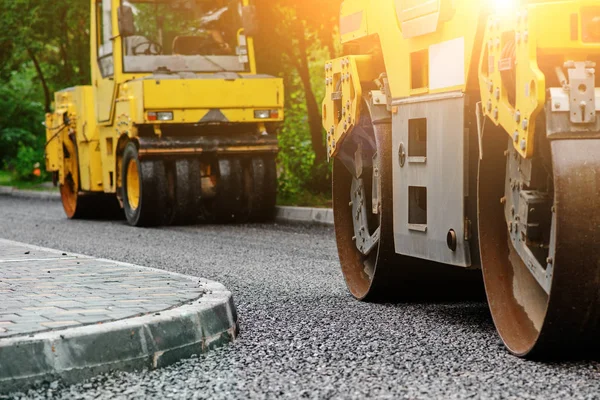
{"points": [[302, 335]]}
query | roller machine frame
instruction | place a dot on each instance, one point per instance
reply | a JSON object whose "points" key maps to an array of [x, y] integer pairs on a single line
{"points": [[465, 135]]}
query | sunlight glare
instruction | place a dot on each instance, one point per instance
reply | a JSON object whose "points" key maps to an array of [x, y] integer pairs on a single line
{"points": [[505, 7]]}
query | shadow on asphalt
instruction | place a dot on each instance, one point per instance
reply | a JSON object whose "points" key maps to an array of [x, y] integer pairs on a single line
{"points": [[474, 315]]}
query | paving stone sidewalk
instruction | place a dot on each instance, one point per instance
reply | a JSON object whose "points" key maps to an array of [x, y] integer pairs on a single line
{"points": [[50, 299]]}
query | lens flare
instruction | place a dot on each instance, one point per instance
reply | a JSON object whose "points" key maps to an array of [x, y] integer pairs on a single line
{"points": [[505, 7]]}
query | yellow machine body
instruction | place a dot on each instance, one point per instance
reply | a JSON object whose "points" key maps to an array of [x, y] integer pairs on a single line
{"points": [[114, 109], [430, 47], [77, 106]]}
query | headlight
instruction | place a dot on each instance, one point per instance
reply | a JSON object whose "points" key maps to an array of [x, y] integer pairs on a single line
{"points": [[165, 116], [266, 114], [160, 116], [262, 114]]}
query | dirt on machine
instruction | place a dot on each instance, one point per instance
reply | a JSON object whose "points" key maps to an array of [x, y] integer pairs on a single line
{"points": [[177, 126], [465, 136]]}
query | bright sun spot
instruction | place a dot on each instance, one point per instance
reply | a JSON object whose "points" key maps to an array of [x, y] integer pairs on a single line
{"points": [[504, 7]]}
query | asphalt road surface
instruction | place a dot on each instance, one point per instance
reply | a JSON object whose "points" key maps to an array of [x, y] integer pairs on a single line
{"points": [[302, 335]]}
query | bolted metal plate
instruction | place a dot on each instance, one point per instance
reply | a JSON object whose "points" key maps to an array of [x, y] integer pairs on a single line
{"points": [[582, 94], [442, 171], [365, 241]]}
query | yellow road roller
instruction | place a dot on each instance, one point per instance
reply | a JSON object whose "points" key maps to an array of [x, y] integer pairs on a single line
{"points": [[465, 135], [177, 126]]}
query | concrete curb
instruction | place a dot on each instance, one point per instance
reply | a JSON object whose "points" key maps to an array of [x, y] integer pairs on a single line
{"points": [[29, 194], [323, 216], [147, 342]]}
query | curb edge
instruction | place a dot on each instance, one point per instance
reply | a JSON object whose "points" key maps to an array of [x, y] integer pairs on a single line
{"points": [[321, 216]]}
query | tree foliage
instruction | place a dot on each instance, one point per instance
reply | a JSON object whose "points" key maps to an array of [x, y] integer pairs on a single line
{"points": [[22, 134], [44, 47], [52, 35], [296, 39]]}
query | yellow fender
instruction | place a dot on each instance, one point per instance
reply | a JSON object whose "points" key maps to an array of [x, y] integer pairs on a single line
{"points": [[344, 81], [511, 43]]}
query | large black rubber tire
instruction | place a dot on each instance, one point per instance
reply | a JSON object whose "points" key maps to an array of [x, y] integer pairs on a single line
{"points": [[262, 195], [246, 190], [187, 206], [153, 208], [230, 202]]}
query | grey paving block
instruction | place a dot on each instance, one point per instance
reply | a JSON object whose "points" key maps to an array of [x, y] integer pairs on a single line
{"points": [[84, 319]]}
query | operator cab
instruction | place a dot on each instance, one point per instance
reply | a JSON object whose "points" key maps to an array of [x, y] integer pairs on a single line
{"points": [[182, 36]]}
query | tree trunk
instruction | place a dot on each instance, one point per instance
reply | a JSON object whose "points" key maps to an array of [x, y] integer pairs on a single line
{"points": [[67, 72], [47, 96], [82, 60], [312, 107], [328, 41]]}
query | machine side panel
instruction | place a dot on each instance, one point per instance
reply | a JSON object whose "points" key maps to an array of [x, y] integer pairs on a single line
{"points": [[430, 183], [213, 93], [55, 131], [90, 163]]}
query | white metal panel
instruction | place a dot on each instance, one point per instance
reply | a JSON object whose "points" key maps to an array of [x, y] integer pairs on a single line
{"points": [[442, 173], [447, 64]]}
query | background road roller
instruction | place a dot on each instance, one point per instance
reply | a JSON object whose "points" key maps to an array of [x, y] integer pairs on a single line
{"points": [[466, 135], [176, 120]]}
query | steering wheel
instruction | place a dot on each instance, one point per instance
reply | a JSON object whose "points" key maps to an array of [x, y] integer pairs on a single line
{"points": [[152, 49]]}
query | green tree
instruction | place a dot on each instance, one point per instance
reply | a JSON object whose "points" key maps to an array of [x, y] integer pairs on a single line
{"points": [[296, 38], [53, 35], [21, 122], [44, 47]]}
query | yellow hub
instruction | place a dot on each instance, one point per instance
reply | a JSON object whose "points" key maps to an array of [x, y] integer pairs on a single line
{"points": [[133, 184]]}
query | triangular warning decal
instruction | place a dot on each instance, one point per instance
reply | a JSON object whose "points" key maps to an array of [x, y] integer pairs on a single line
{"points": [[214, 115]]}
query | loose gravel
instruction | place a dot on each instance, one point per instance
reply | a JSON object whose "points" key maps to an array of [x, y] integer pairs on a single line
{"points": [[302, 335]]}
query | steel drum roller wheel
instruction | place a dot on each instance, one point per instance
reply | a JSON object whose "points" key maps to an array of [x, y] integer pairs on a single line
{"points": [[81, 205], [381, 274], [69, 195], [550, 307]]}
